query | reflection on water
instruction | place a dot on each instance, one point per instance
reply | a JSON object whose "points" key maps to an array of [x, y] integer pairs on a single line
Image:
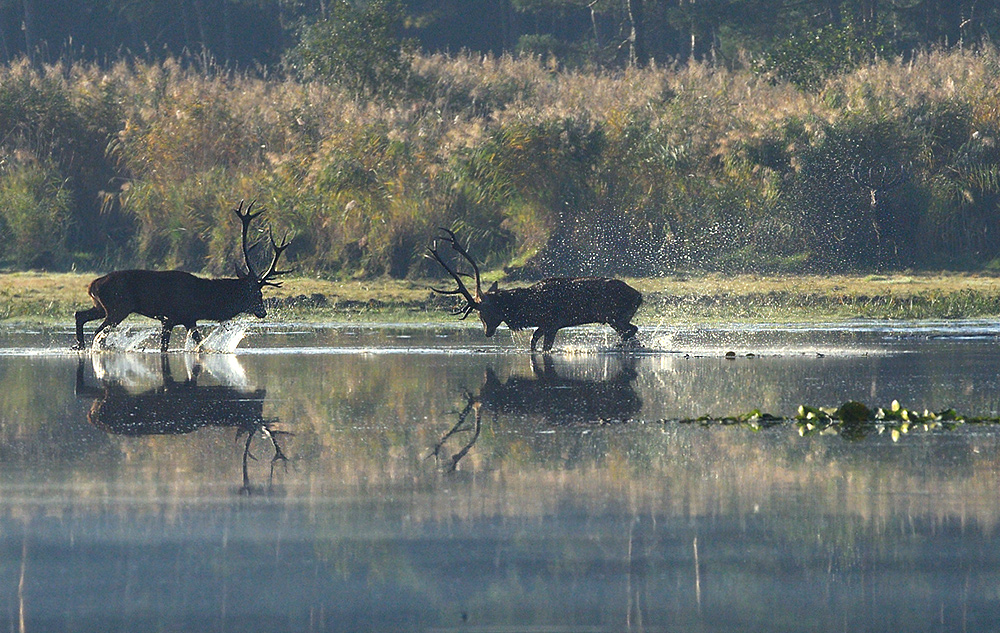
{"points": [[555, 399], [580, 504], [125, 404]]}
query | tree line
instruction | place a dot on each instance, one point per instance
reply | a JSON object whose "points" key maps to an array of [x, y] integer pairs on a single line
{"points": [[256, 33]]}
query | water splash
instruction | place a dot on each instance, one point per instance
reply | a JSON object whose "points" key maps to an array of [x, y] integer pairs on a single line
{"points": [[657, 340], [123, 339], [224, 339]]}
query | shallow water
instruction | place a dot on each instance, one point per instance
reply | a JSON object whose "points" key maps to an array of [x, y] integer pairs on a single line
{"points": [[436, 480]]}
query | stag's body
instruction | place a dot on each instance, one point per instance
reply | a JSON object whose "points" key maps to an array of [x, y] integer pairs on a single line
{"points": [[561, 302], [176, 297], [173, 297], [549, 305]]}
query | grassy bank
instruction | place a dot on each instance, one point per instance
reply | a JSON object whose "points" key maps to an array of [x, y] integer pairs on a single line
{"points": [[54, 297]]}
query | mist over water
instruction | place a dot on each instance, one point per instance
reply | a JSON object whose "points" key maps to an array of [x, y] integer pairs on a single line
{"points": [[436, 479]]}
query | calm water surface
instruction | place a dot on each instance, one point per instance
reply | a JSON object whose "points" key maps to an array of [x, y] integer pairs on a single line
{"points": [[407, 478]]}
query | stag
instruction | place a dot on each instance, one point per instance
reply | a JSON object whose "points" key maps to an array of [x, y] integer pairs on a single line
{"points": [[556, 399], [180, 407], [548, 306], [176, 298]]}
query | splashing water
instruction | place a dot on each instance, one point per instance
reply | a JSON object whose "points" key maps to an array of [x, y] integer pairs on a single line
{"points": [[224, 339], [123, 339], [659, 340]]}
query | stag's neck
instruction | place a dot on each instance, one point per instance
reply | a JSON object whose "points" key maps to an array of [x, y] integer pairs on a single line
{"points": [[226, 297], [518, 309]]}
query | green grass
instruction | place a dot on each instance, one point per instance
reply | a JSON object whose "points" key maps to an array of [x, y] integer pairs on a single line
{"points": [[54, 297]]}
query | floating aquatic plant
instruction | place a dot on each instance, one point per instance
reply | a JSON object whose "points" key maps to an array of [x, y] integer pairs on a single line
{"points": [[852, 420]]}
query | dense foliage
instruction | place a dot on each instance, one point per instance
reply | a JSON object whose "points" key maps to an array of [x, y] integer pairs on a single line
{"points": [[579, 32], [814, 135], [895, 164]]}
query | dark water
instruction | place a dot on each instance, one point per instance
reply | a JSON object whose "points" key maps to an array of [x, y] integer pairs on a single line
{"points": [[438, 481]]}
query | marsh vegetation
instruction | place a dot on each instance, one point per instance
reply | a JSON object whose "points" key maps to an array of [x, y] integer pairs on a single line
{"points": [[637, 172]]}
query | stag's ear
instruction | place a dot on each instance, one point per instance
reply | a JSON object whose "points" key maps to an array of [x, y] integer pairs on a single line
{"points": [[493, 288]]}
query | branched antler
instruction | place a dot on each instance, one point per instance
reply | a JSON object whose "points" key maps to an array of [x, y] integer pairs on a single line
{"points": [[246, 218], [272, 270], [472, 301], [878, 178]]}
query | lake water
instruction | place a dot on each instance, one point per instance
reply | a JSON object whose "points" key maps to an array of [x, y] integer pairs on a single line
{"points": [[439, 481]]}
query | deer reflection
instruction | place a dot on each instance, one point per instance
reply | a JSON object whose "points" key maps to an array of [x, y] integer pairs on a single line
{"points": [[556, 399], [174, 407]]}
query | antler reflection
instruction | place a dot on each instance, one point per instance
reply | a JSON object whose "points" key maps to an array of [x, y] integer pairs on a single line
{"points": [[557, 400], [177, 407]]}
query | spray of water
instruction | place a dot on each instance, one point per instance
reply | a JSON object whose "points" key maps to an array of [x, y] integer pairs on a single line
{"points": [[224, 339], [124, 338]]}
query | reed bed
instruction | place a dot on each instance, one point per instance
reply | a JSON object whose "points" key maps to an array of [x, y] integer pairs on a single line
{"points": [[640, 172]]}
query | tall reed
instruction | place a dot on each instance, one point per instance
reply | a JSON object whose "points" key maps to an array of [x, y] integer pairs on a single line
{"points": [[544, 171]]}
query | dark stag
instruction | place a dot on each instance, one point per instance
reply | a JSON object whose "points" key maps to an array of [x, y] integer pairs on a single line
{"points": [[548, 306], [555, 399], [179, 298], [181, 407]]}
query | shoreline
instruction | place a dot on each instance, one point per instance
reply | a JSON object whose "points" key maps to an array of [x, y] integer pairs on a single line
{"points": [[39, 297]]}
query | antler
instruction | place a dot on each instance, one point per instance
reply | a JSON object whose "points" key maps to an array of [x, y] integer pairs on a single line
{"points": [[272, 270], [882, 176], [247, 217], [473, 302]]}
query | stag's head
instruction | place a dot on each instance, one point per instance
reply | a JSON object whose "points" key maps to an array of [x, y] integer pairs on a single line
{"points": [[251, 298], [250, 295], [489, 311], [484, 303]]}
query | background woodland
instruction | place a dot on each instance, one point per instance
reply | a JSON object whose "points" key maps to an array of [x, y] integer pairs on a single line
{"points": [[618, 137]]}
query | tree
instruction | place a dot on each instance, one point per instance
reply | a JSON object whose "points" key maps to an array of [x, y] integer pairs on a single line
{"points": [[357, 47]]}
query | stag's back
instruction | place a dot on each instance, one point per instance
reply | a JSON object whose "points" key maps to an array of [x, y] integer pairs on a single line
{"points": [[175, 295], [568, 301]]}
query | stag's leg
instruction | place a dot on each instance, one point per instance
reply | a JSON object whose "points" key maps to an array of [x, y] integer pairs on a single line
{"points": [[109, 321], [168, 326], [85, 316], [194, 332], [535, 336], [550, 337], [625, 330]]}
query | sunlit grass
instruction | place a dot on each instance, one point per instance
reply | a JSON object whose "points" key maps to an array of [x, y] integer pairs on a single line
{"points": [[54, 297]]}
